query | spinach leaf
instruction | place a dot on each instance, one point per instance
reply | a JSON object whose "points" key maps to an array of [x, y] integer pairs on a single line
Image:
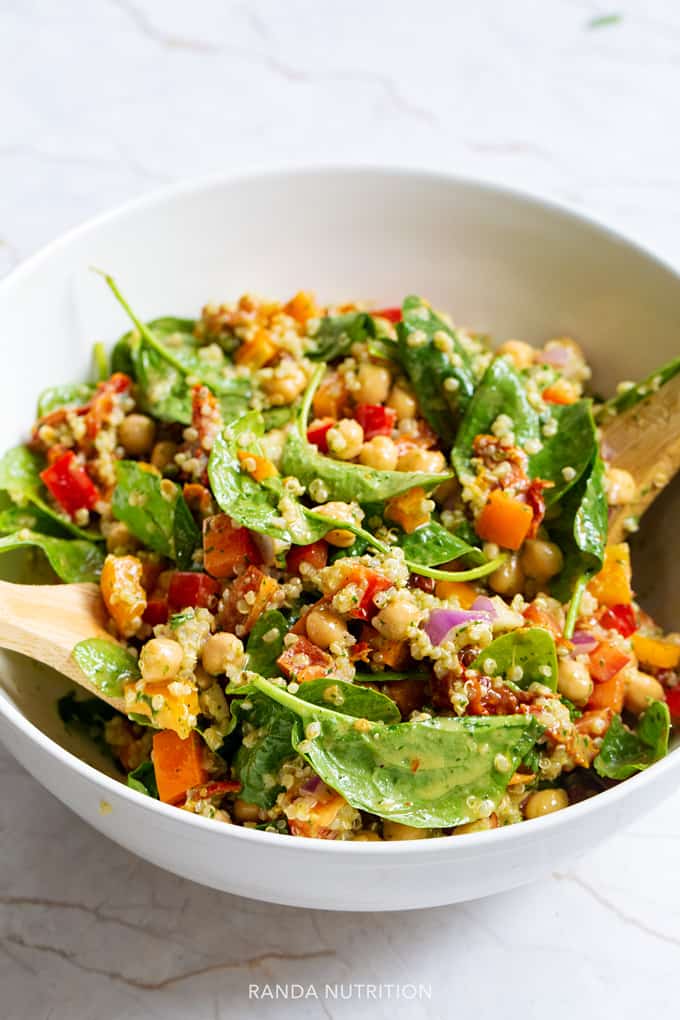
{"points": [[106, 665], [163, 370], [276, 417], [435, 773], [501, 391], [143, 779], [262, 654], [15, 518], [20, 477], [155, 511], [69, 395], [252, 504], [429, 368], [572, 446], [532, 650], [625, 752], [337, 334], [431, 544], [258, 761], [72, 559], [628, 398], [581, 530], [350, 699]]}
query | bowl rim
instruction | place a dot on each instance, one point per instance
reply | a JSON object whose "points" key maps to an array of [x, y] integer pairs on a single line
{"points": [[107, 785]]}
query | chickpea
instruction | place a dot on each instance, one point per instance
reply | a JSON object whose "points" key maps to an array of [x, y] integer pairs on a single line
{"points": [[324, 627], [160, 659], [481, 825], [340, 512], [417, 459], [163, 454], [402, 401], [222, 653], [508, 579], [120, 539], [396, 619], [520, 353], [395, 830], [620, 486], [374, 383], [640, 689], [541, 560], [544, 802], [244, 811], [367, 836], [286, 382], [573, 681], [379, 452], [136, 434], [345, 439]]}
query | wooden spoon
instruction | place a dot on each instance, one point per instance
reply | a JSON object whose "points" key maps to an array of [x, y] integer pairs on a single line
{"points": [[645, 440], [46, 622]]}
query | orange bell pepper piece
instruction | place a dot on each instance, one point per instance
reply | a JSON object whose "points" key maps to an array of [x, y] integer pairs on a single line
{"points": [[504, 520], [178, 764], [612, 586]]}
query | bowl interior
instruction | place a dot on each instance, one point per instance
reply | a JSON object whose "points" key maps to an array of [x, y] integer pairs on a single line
{"points": [[502, 263]]}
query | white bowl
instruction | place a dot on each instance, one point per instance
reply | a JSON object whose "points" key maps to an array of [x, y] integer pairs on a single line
{"points": [[505, 263]]}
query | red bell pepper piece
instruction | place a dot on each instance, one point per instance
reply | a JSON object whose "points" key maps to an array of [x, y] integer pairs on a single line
{"points": [[606, 661], [621, 618], [673, 702], [227, 547], [315, 554], [391, 314], [69, 484], [370, 583], [189, 589], [317, 433], [375, 419], [156, 611]]}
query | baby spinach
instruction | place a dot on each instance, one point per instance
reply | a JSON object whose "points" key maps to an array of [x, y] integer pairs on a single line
{"points": [[443, 382], [68, 395], [155, 511], [72, 559], [20, 477], [87, 716], [267, 746], [581, 530], [631, 396], [503, 390], [143, 779], [337, 334], [165, 372], [431, 544], [625, 751], [350, 699], [262, 653], [106, 664], [15, 518], [435, 773], [345, 482], [532, 650]]}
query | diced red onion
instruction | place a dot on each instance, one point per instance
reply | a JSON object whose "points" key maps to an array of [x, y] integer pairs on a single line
{"points": [[485, 605], [555, 355], [311, 785], [441, 621], [584, 642]]}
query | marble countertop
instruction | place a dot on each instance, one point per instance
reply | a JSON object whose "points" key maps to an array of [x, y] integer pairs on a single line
{"points": [[106, 100]]}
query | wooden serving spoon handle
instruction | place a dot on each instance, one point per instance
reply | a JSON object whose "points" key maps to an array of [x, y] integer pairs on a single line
{"points": [[46, 622], [645, 440]]}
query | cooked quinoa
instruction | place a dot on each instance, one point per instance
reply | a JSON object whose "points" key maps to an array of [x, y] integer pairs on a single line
{"points": [[342, 555]]}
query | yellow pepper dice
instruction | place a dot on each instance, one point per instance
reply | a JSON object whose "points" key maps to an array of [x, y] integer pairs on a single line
{"points": [[612, 586], [656, 652], [177, 712]]}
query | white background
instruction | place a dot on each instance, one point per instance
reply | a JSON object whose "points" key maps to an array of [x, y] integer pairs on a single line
{"points": [[106, 100]]}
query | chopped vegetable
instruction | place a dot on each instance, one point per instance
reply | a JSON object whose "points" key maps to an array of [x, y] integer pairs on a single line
{"points": [[178, 765], [504, 520]]}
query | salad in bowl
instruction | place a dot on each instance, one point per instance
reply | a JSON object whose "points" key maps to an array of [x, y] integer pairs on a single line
{"points": [[356, 569]]}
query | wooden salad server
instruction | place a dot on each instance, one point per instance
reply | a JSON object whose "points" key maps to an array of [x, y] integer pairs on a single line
{"points": [[644, 440], [46, 622]]}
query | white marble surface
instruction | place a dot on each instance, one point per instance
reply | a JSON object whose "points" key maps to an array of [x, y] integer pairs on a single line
{"points": [[105, 100]]}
